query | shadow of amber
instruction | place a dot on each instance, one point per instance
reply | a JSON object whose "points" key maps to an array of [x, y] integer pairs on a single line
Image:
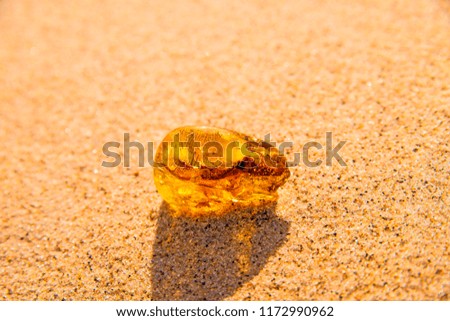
{"points": [[210, 258]]}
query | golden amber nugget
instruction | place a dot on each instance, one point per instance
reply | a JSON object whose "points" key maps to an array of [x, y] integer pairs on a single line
{"points": [[207, 170]]}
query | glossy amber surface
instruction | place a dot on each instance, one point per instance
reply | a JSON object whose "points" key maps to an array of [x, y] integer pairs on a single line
{"points": [[207, 170]]}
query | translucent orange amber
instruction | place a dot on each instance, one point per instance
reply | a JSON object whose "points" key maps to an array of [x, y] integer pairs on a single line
{"points": [[207, 170]]}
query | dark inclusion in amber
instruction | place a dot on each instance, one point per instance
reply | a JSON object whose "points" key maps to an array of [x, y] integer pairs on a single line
{"points": [[207, 170]]}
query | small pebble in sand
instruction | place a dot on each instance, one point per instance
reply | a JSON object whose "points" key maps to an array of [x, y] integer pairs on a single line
{"points": [[206, 171]]}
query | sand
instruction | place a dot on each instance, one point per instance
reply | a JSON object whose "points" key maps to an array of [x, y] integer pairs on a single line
{"points": [[75, 75]]}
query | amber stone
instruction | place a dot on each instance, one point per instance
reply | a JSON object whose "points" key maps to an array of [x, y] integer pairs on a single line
{"points": [[207, 170]]}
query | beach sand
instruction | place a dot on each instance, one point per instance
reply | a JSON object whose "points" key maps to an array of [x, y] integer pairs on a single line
{"points": [[75, 75]]}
